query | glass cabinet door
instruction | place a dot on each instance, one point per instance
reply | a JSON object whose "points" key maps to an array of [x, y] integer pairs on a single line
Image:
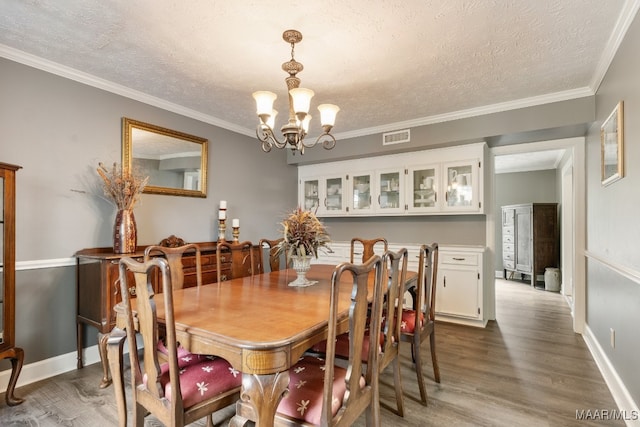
{"points": [[390, 191], [422, 194], [460, 192], [334, 200], [361, 193], [310, 197]]}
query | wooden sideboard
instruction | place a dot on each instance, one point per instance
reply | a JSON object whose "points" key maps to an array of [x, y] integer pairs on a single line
{"points": [[98, 287]]}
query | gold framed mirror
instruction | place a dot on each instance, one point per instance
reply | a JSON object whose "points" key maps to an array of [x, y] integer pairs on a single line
{"points": [[175, 162]]}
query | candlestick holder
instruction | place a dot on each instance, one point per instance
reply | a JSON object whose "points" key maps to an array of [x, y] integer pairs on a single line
{"points": [[236, 234], [222, 230]]}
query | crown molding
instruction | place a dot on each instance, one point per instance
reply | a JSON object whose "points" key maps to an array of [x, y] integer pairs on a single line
{"points": [[627, 15], [90, 80], [473, 112]]}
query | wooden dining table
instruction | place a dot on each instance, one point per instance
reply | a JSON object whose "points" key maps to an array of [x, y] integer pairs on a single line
{"points": [[260, 324]]}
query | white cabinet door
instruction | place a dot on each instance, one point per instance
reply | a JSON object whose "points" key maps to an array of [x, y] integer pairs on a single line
{"points": [[389, 191], [461, 186], [309, 193], [422, 187], [457, 292], [333, 200], [360, 193]]}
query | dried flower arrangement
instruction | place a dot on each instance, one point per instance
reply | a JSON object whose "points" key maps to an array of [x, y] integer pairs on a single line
{"points": [[123, 188], [303, 234]]}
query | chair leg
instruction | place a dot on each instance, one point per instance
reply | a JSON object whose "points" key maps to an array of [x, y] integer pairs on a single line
{"points": [[434, 358], [139, 413], [397, 379], [418, 363]]}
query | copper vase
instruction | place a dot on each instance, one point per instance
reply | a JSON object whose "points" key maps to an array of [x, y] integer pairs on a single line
{"points": [[125, 236]]}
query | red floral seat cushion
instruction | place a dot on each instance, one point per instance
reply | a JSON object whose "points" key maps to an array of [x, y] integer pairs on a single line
{"points": [[185, 358], [202, 380], [408, 324], [342, 346], [306, 382]]}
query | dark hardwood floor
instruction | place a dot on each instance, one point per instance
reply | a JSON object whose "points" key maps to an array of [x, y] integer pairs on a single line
{"points": [[525, 369]]}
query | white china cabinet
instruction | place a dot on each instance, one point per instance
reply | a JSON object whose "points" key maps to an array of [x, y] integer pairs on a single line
{"points": [[439, 182]]}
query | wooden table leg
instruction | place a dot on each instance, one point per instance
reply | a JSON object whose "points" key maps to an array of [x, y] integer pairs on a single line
{"points": [[104, 358], [16, 355], [115, 343], [259, 399], [79, 344]]}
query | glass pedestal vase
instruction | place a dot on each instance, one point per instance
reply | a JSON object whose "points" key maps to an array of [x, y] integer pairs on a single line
{"points": [[125, 237], [301, 264]]}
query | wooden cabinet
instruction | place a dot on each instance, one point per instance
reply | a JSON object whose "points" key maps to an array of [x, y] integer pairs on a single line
{"points": [[461, 295], [437, 181], [530, 239], [8, 350], [98, 287]]}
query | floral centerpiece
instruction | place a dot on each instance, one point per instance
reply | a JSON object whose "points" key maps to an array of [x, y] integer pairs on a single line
{"points": [[123, 188], [303, 236]]}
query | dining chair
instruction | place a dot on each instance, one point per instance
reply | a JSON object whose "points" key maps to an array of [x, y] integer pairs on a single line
{"points": [[240, 253], [320, 391], [275, 258], [394, 267], [173, 256], [181, 390], [368, 247], [419, 324]]}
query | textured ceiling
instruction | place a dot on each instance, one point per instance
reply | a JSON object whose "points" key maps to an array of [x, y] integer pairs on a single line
{"points": [[387, 64]]}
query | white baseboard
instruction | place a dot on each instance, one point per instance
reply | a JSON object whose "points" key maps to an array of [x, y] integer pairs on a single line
{"points": [[499, 274], [47, 368], [616, 386]]}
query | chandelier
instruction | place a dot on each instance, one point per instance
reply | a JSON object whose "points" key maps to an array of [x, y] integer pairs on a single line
{"points": [[295, 130]]}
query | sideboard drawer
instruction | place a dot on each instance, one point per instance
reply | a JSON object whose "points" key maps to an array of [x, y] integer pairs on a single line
{"points": [[459, 258]]}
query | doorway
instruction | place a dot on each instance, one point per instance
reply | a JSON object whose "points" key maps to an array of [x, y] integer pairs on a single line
{"points": [[569, 182]]}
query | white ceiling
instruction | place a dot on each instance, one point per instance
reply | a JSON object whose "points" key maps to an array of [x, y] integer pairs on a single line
{"points": [[387, 64]]}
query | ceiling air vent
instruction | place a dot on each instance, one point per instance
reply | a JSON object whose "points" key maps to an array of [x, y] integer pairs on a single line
{"points": [[397, 137]]}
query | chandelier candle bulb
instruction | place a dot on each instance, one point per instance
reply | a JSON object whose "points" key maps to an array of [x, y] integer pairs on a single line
{"points": [[223, 204], [222, 214], [264, 102], [301, 99], [328, 114], [235, 222]]}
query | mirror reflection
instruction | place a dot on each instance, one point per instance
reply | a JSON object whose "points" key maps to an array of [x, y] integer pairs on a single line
{"points": [[175, 162]]}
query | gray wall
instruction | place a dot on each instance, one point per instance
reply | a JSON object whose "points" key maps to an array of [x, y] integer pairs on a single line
{"points": [[522, 187], [613, 263]]}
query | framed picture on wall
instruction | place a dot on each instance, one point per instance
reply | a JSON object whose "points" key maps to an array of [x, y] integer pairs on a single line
{"points": [[612, 146]]}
